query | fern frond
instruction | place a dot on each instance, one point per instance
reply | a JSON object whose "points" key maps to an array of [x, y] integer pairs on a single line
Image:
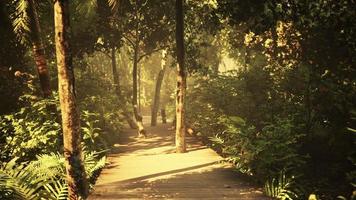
{"points": [[49, 166], [21, 21], [114, 5], [19, 181], [280, 188], [58, 190], [92, 169], [93, 163]]}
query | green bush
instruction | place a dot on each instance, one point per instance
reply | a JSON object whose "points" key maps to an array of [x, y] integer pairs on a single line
{"points": [[262, 153], [35, 129], [31, 160], [223, 109]]}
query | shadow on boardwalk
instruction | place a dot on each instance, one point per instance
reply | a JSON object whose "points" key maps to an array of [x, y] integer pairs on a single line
{"points": [[148, 168]]}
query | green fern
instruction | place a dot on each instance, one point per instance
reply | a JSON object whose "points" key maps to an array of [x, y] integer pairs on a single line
{"points": [[280, 188], [58, 190], [93, 163], [43, 178], [19, 181], [21, 20], [49, 166]]}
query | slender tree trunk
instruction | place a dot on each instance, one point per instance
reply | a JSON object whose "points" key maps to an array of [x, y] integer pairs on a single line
{"points": [[129, 119], [181, 80], [163, 115], [116, 78], [139, 88], [156, 100], [137, 115], [247, 63], [308, 99], [135, 46], [38, 50], [76, 177], [114, 72]]}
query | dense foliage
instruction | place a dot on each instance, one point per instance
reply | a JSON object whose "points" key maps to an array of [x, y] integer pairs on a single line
{"points": [[32, 146], [272, 88], [288, 102]]}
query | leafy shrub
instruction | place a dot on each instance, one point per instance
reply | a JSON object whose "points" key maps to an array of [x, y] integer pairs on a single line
{"points": [[35, 129], [93, 136], [227, 112], [100, 122], [263, 153]]}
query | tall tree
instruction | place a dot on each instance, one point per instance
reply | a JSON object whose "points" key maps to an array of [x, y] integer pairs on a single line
{"points": [[145, 26], [116, 79], [134, 37], [26, 23], [137, 115], [146, 32], [38, 50], [76, 177], [181, 79], [156, 100]]}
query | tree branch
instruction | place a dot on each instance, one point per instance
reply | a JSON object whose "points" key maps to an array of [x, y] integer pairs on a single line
{"points": [[130, 41], [151, 52], [106, 53]]}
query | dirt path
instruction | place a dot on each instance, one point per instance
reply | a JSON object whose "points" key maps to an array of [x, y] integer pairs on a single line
{"points": [[148, 168]]}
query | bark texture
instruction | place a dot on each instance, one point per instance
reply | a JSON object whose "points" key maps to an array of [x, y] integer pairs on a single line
{"points": [[181, 80], [76, 177], [38, 50], [126, 113], [157, 95]]}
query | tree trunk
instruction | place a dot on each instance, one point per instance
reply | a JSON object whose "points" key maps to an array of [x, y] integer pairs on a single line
{"points": [[181, 80], [164, 116], [76, 177], [38, 50], [126, 113], [156, 100], [129, 119], [114, 73], [139, 88], [137, 115], [247, 63]]}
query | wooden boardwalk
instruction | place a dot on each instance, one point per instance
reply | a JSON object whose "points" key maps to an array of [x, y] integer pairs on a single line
{"points": [[148, 168]]}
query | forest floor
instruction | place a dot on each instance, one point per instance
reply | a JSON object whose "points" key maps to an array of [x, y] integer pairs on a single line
{"points": [[149, 168]]}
